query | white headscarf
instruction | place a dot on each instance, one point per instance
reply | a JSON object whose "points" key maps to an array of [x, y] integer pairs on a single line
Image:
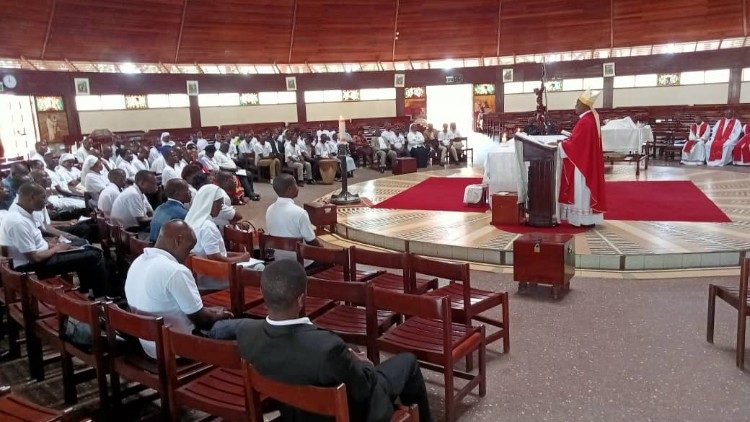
{"points": [[67, 156], [163, 135], [90, 161], [200, 209]]}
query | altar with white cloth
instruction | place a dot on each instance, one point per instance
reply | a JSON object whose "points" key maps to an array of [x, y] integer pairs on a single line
{"points": [[501, 172], [625, 136]]}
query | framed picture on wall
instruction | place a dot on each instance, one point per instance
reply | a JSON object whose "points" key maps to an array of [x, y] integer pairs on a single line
{"points": [[608, 70], [507, 75], [192, 88], [399, 79], [82, 86], [291, 83]]}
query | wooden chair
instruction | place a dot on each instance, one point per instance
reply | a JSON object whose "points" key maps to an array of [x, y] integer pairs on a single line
{"points": [[348, 317], [253, 306], [738, 298], [105, 239], [325, 401], [137, 246], [433, 338], [220, 391], [42, 326], [14, 408], [332, 263], [200, 266], [267, 243], [243, 292], [15, 296], [237, 240], [132, 363], [394, 261], [467, 302], [89, 313]]}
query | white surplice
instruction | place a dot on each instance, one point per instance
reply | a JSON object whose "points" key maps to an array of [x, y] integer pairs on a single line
{"points": [[726, 153]]}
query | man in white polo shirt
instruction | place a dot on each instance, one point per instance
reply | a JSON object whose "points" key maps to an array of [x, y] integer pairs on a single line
{"points": [[158, 284], [20, 232], [131, 208], [117, 182], [284, 218]]}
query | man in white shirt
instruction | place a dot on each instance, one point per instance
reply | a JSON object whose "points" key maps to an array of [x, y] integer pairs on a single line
{"points": [[445, 137], [286, 219], [117, 182], [140, 160], [395, 143], [208, 159], [457, 141], [159, 284], [157, 166], [417, 149], [225, 163], [264, 157], [293, 156], [169, 172], [60, 204], [153, 153], [82, 152], [382, 151], [126, 164], [21, 234], [202, 142], [40, 148], [131, 209]]}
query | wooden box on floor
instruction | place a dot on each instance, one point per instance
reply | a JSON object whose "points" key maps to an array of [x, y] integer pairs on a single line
{"points": [[544, 258], [322, 215], [404, 165], [506, 209]]}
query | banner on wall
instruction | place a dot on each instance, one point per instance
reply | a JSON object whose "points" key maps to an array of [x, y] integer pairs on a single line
{"points": [[484, 103], [415, 102], [51, 119]]}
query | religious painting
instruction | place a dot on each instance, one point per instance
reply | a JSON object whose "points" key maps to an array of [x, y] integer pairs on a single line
{"points": [[668, 79], [135, 102], [415, 102], [608, 69], [291, 83], [399, 79], [192, 88], [249, 98], [350, 94], [507, 75], [82, 86], [484, 103], [51, 118]]}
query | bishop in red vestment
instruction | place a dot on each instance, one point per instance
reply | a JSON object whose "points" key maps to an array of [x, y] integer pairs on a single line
{"points": [[582, 199], [741, 152]]}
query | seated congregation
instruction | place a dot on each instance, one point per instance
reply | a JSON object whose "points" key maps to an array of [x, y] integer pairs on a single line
{"points": [[727, 142], [166, 286]]}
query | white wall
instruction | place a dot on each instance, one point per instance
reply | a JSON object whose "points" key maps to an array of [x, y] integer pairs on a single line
{"points": [[350, 110], [555, 101], [519, 102], [217, 116], [671, 95], [124, 120], [745, 92]]}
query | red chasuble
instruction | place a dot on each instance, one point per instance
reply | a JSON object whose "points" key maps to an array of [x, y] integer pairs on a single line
{"points": [[741, 151], [722, 134], [698, 131], [584, 151]]}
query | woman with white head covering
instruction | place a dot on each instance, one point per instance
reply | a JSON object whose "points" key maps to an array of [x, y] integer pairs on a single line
{"points": [[70, 176], [205, 206], [93, 176]]}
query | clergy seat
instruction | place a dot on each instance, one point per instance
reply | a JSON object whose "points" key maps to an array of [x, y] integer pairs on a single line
{"points": [[738, 298]]}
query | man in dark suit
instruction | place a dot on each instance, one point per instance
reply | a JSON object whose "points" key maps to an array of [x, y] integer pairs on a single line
{"points": [[292, 350]]}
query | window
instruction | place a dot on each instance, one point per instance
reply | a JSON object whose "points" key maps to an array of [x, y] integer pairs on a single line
{"points": [[250, 98], [692, 78], [157, 100], [593, 83], [350, 95], [717, 76], [668, 79], [208, 100], [229, 99], [572, 84], [529, 86], [136, 102], [646, 80], [513, 87], [624, 81], [332, 95], [219, 100], [375, 94], [746, 74], [553, 85], [88, 102], [415, 92], [281, 97], [313, 96], [178, 100], [287, 97], [113, 102], [49, 104]]}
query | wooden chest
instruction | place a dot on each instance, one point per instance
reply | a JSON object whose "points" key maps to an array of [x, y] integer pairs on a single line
{"points": [[543, 258], [322, 215], [506, 209], [404, 165]]}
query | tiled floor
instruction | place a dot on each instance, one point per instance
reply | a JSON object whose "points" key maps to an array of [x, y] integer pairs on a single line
{"points": [[615, 245]]}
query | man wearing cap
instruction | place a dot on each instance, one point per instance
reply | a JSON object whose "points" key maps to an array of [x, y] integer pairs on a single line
{"points": [[582, 198]]}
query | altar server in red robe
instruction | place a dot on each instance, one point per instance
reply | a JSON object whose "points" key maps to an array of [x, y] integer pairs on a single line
{"points": [[694, 150], [724, 137], [582, 199], [741, 152]]}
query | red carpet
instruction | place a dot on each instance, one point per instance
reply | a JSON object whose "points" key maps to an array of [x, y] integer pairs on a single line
{"points": [[661, 201], [635, 201], [435, 194]]}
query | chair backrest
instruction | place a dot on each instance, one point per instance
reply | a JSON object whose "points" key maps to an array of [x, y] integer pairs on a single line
{"points": [[209, 267], [331, 256], [141, 326], [14, 282], [237, 240], [326, 401], [390, 260], [137, 246], [124, 237], [42, 291], [452, 271], [266, 242], [241, 277], [83, 311], [341, 291], [221, 353], [104, 235]]}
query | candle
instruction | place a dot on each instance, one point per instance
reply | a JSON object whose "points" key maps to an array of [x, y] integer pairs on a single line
{"points": [[342, 129]]}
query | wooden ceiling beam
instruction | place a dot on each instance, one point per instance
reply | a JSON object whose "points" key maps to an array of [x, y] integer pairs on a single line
{"points": [[291, 33], [179, 34], [49, 28], [395, 31]]}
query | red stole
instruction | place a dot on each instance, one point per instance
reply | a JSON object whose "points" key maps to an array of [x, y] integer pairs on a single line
{"points": [[698, 132], [741, 151], [584, 152], [722, 134]]}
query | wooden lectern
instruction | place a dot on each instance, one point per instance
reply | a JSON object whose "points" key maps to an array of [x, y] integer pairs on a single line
{"points": [[542, 173]]}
